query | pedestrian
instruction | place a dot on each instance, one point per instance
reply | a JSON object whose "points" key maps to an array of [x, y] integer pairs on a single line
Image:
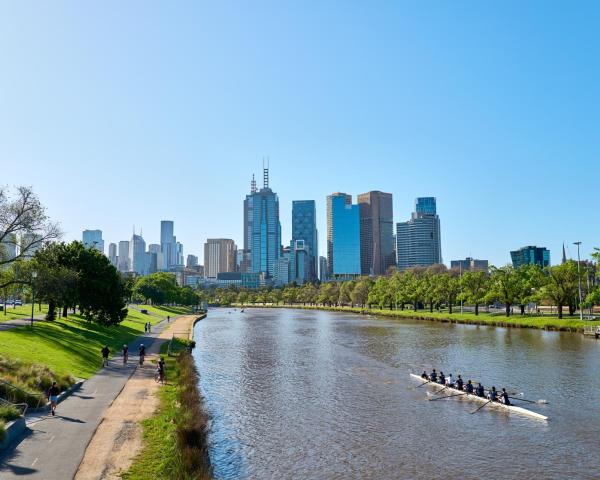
{"points": [[142, 353], [168, 319], [161, 370], [145, 327], [149, 327], [125, 354], [52, 395], [105, 353]]}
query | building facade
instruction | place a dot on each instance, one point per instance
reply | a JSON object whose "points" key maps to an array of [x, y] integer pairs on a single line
{"points": [[168, 244], [112, 254], [93, 239], [376, 232], [124, 263], [343, 236], [530, 255], [418, 241], [323, 269], [192, 261], [470, 264], [219, 256], [304, 228], [137, 254]]}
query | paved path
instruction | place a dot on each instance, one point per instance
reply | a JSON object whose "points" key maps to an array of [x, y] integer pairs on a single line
{"points": [[53, 447], [21, 322]]}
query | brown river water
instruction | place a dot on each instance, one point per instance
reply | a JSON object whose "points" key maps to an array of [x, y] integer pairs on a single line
{"points": [[296, 394]]}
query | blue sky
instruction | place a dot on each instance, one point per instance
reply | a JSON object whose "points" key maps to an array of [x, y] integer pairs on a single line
{"points": [[126, 113]]}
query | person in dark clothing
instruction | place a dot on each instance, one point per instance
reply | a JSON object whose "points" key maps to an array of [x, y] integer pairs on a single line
{"points": [[504, 397], [142, 353], [53, 393], [424, 375], [493, 394], [433, 376], [442, 380], [105, 353], [459, 383], [125, 354], [469, 387], [161, 370], [480, 390]]}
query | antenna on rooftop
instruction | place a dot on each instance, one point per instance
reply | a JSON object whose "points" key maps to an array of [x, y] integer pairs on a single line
{"points": [[266, 172], [253, 188]]}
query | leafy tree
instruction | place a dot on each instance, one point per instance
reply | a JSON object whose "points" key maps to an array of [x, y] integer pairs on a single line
{"points": [[505, 286], [157, 288], [360, 293], [562, 286], [474, 288]]}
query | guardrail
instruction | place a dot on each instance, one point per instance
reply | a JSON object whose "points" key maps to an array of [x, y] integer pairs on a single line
{"points": [[11, 393], [22, 407]]}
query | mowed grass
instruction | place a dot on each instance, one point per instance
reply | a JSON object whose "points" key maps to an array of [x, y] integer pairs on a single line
{"points": [[165, 310], [72, 345], [24, 311]]}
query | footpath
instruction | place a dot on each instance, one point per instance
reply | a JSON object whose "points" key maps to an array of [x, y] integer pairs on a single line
{"points": [[53, 447]]}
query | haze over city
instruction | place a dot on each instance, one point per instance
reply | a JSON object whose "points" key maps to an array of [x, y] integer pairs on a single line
{"points": [[127, 114]]}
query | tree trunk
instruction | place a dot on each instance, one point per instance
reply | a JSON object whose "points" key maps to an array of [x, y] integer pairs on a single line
{"points": [[415, 306], [560, 310], [508, 309], [431, 307], [65, 312], [476, 309], [450, 308], [522, 309], [51, 315], [571, 310]]}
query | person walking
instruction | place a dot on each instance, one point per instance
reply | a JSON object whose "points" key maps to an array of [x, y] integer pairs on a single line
{"points": [[145, 328], [105, 353], [52, 395], [168, 319], [142, 353], [161, 370], [125, 354], [149, 327]]}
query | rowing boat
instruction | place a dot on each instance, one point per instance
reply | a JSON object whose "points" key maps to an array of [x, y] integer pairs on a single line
{"points": [[475, 398]]}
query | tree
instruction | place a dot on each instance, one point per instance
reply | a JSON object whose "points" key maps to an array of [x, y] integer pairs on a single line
{"points": [[474, 288], [562, 286], [346, 292], [157, 288], [447, 288], [360, 293], [504, 286]]}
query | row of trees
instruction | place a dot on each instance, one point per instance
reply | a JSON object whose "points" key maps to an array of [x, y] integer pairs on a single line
{"points": [[161, 288], [435, 287]]}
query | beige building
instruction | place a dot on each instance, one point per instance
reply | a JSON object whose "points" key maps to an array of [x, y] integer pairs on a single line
{"points": [[219, 256]]}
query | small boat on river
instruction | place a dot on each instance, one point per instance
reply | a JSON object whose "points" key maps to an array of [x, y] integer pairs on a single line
{"points": [[463, 395]]}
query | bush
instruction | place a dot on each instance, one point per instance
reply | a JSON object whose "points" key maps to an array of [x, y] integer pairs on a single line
{"points": [[2, 431], [8, 413]]}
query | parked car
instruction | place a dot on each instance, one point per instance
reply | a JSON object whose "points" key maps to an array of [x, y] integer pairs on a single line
{"points": [[18, 303]]}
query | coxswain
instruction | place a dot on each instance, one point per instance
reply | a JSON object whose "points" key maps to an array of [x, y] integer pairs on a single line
{"points": [[469, 387], [442, 380], [480, 391], [504, 397], [424, 375], [433, 376], [493, 395], [450, 381], [459, 383]]}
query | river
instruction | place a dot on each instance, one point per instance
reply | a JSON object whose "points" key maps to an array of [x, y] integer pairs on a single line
{"points": [[303, 394]]}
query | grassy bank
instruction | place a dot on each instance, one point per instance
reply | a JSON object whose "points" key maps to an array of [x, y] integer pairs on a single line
{"points": [[22, 312], [71, 346], [175, 443], [572, 324]]}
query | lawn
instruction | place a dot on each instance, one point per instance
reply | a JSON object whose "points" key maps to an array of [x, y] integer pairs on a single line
{"points": [[24, 311], [165, 310], [72, 345]]}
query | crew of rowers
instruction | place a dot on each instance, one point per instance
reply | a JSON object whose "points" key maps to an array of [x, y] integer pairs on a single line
{"points": [[458, 384]]}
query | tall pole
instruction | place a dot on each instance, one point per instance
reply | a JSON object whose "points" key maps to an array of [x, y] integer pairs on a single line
{"points": [[33, 277], [579, 278]]}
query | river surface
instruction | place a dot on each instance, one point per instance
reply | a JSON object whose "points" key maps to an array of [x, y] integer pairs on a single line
{"points": [[297, 394]]}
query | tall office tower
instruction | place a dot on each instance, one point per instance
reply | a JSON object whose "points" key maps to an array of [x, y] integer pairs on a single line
{"points": [[191, 261], [304, 227], [112, 254], [137, 254], [265, 247], [300, 262], [168, 244], [418, 241], [323, 269], [248, 220], [8, 246], [530, 255], [154, 248], [219, 256], [282, 271], [93, 239], [180, 258], [29, 243], [376, 232], [470, 264], [124, 262], [343, 236]]}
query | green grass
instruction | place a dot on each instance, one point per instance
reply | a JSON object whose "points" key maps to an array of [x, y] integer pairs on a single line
{"points": [[23, 311], [72, 345], [2, 430], [163, 311], [8, 413], [520, 321]]}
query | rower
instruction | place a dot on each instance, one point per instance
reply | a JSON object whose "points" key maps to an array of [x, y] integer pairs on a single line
{"points": [[504, 397], [480, 391], [459, 383], [424, 375], [493, 395], [450, 381], [442, 380], [433, 376], [469, 387]]}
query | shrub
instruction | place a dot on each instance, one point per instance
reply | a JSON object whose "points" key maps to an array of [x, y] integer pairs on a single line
{"points": [[8, 413], [2, 431]]}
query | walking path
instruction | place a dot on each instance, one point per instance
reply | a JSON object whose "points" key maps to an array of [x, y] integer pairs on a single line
{"points": [[20, 322], [54, 446], [118, 438]]}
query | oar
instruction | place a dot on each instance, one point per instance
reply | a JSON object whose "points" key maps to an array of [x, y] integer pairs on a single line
{"points": [[440, 391], [489, 401], [447, 396], [529, 401], [428, 381]]}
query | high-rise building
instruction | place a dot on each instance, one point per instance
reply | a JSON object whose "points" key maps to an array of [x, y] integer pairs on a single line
{"points": [[8, 247], [192, 261], [112, 254], [282, 275], [219, 256], [265, 247], [168, 244], [93, 239], [343, 236], [180, 258], [418, 241], [304, 227], [470, 264], [248, 221], [29, 243], [155, 249], [323, 269], [376, 232], [150, 262], [137, 254], [530, 255], [301, 262], [124, 262]]}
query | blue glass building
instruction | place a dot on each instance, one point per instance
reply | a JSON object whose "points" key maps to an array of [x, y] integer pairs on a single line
{"points": [[425, 206], [530, 255], [343, 235], [304, 227]]}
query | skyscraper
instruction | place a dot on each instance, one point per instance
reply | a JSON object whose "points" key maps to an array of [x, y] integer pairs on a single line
{"points": [[418, 241], [124, 263], [245, 264], [112, 254], [323, 269], [137, 254], [192, 261], [304, 227], [265, 246], [180, 258], [219, 256], [343, 236], [168, 244], [8, 247], [530, 255], [376, 232], [93, 239]]}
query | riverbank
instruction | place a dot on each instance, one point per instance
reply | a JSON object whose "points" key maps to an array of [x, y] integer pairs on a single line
{"points": [[514, 321]]}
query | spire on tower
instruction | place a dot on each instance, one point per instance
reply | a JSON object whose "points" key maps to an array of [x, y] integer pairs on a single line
{"points": [[266, 173], [253, 188], [564, 257]]}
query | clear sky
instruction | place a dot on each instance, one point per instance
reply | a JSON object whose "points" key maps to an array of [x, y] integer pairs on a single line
{"points": [[126, 113]]}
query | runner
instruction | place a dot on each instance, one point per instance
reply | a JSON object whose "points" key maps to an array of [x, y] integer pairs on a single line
{"points": [[53, 393], [142, 353], [125, 354], [105, 353]]}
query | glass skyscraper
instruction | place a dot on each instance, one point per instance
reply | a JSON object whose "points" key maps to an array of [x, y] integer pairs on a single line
{"points": [[93, 239], [304, 228], [376, 232], [530, 255], [343, 236], [168, 244]]}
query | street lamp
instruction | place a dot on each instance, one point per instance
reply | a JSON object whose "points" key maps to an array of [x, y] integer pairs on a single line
{"points": [[33, 277], [579, 278]]}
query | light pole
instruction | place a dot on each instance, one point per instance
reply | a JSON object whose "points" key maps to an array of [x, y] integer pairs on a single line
{"points": [[33, 277], [579, 278]]}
